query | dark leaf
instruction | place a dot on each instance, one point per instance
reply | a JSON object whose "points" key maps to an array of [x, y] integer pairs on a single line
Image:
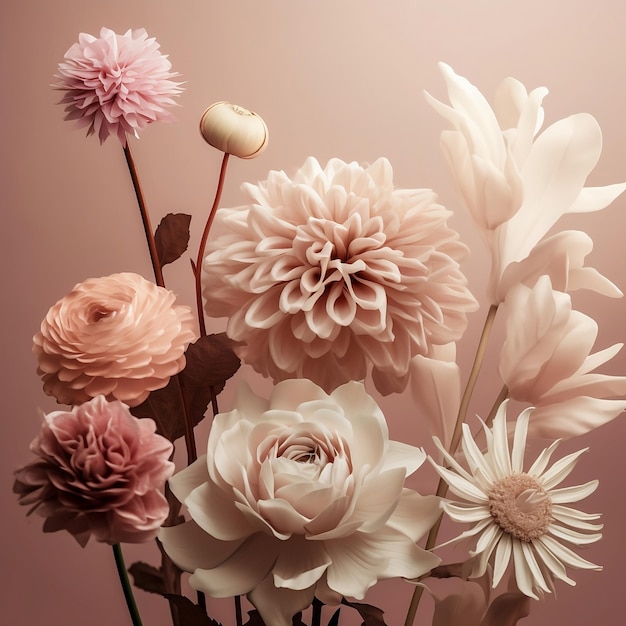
{"points": [[448, 571], [147, 577], [371, 615], [190, 614], [507, 610], [172, 237], [334, 620], [210, 363], [256, 620]]}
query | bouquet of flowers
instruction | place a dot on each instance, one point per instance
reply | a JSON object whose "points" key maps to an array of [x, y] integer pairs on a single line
{"points": [[333, 282]]}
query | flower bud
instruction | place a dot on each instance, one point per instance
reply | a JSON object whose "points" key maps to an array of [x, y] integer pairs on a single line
{"points": [[233, 129]]}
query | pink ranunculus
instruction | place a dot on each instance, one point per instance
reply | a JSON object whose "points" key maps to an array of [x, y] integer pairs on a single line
{"points": [[335, 273], [298, 496], [116, 84], [546, 361], [120, 336], [99, 472]]}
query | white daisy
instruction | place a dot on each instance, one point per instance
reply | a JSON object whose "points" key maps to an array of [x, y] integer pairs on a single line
{"points": [[518, 514]]}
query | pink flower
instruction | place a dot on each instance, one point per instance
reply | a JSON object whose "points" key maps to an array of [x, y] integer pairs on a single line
{"points": [[334, 273], [298, 496], [120, 336], [546, 361], [99, 472], [116, 84]]}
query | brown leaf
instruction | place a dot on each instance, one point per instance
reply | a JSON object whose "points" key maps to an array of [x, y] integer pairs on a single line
{"points": [[371, 615], [172, 237], [210, 363], [147, 577], [190, 614]]}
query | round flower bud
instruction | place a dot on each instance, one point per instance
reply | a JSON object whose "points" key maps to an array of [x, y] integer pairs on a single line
{"points": [[233, 129]]}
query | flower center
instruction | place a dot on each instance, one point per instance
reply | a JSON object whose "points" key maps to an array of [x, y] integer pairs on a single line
{"points": [[521, 507]]}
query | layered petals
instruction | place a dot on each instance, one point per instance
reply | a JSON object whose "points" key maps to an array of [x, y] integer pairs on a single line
{"points": [[334, 274], [300, 491], [546, 361]]}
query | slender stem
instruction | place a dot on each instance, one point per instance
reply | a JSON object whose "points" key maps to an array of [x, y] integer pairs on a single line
{"points": [[238, 613], [502, 396], [316, 613], [126, 586], [442, 487], [145, 217], [190, 438], [203, 240]]}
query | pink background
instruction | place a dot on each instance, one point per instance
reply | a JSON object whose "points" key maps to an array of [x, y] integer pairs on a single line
{"points": [[331, 78]]}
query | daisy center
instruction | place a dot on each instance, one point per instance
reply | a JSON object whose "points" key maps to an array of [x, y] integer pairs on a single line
{"points": [[521, 507]]}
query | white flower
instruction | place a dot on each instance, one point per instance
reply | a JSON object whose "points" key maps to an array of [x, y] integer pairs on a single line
{"points": [[517, 184], [334, 273], [546, 361], [519, 515], [298, 496]]}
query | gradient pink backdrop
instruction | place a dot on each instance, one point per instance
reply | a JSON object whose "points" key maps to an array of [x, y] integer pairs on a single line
{"points": [[330, 78]]}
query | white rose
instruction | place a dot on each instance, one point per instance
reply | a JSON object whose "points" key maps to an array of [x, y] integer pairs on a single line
{"points": [[300, 496]]}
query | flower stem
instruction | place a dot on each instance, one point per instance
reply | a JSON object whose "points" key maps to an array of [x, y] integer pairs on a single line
{"points": [[502, 396], [442, 487], [145, 217], [203, 240], [126, 586]]}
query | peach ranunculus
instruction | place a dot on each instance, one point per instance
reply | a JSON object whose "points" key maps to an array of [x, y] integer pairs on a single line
{"points": [[546, 361], [116, 84], [298, 496], [334, 272], [99, 472], [517, 183], [120, 336]]}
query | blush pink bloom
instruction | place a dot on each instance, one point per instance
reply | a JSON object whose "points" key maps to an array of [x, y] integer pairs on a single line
{"points": [[120, 336], [546, 361], [99, 472], [334, 273], [517, 183], [298, 496], [116, 84]]}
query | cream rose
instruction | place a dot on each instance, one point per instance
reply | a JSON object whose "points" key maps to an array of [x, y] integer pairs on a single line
{"points": [[298, 496], [120, 336]]}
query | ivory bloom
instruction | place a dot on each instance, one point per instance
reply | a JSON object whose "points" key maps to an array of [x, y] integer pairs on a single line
{"points": [[518, 516], [334, 273], [546, 361], [298, 496], [517, 182]]}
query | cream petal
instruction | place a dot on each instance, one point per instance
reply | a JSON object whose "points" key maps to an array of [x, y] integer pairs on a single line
{"points": [[300, 564], [278, 606], [502, 557], [185, 481], [567, 495], [523, 576], [415, 514], [240, 573], [579, 539], [561, 469], [190, 547], [567, 556], [596, 198]]}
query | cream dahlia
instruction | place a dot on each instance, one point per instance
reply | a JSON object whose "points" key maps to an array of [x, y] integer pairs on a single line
{"points": [[335, 273], [518, 515], [120, 336], [298, 496], [116, 84], [99, 471]]}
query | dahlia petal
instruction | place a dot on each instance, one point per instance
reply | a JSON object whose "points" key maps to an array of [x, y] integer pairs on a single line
{"points": [[415, 514], [300, 564]]}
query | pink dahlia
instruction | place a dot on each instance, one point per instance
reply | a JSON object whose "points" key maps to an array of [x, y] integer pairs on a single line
{"points": [[120, 336], [117, 84], [99, 472], [335, 273]]}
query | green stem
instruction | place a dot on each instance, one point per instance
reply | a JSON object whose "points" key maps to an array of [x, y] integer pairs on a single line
{"points": [[197, 268], [442, 487], [126, 586], [145, 217]]}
